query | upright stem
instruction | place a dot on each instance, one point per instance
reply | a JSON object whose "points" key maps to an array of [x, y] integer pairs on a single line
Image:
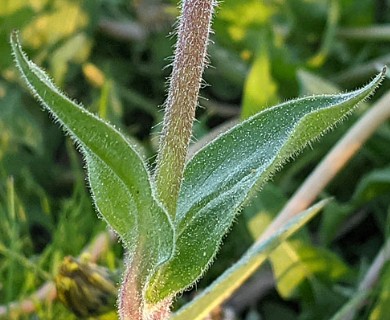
{"points": [[188, 66]]}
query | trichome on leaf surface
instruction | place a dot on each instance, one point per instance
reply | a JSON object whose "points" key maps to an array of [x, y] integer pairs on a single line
{"points": [[172, 222]]}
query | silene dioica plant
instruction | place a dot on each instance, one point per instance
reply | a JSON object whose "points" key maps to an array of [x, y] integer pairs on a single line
{"points": [[171, 219]]}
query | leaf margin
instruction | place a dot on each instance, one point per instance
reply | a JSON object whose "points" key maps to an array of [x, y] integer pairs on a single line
{"points": [[171, 266]]}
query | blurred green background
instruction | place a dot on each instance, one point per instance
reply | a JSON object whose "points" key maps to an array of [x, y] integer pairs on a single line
{"points": [[113, 56]]}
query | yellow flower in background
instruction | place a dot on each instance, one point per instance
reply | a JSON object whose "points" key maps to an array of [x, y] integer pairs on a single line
{"points": [[85, 288]]}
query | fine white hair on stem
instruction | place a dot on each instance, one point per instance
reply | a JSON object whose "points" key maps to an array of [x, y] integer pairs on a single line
{"points": [[192, 29]]}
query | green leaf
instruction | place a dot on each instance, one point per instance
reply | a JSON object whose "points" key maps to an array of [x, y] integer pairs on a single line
{"points": [[74, 49], [329, 35], [373, 185], [256, 14], [310, 83], [17, 127], [294, 261], [255, 100], [262, 209], [320, 299], [13, 14], [332, 219], [226, 172], [61, 20], [118, 177], [232, 278]]}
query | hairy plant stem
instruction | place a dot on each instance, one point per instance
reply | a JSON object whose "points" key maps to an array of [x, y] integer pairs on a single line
{"points": [[132, 304], [180, 105]]}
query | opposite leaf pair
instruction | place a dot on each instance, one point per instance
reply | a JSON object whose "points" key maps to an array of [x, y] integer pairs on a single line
{"points": [[164, 256]]}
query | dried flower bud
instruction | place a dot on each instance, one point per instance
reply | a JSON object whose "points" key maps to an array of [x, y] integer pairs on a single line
{"points": [[86, 288]]}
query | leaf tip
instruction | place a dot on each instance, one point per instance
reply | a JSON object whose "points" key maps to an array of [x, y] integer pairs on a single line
{"points": [[382, 74], [14, 39], [384, 70]]}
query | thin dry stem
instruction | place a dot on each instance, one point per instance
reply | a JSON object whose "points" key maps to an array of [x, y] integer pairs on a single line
{"points": [[126, 31], [188, 66], [371, 277]]}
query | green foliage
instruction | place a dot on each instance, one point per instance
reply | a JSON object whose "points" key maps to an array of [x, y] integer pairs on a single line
{"points": [[221, 176], [53, 212], [374, 184], [118, 177], [381, 306], [259, 77], [237, 274], [217, 180]]}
